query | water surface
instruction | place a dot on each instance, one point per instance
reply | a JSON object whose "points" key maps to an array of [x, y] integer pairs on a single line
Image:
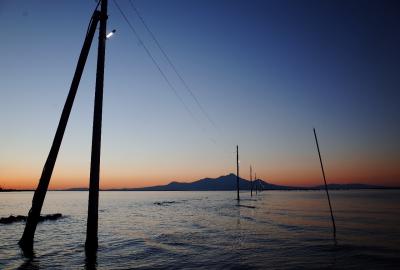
{"points": [[207, 230]]}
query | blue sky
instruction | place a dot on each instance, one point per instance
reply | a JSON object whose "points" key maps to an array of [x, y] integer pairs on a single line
{"points": [[266, 72]]}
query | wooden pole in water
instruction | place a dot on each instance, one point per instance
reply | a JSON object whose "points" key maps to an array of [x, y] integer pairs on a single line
{"points": [[237, 172], [326, 186], [92, 221], [255, 181], [251, 183], [26, 242]]}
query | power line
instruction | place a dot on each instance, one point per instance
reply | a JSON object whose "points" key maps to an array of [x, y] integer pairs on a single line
{"points": [[155, 62], [172, 65]]}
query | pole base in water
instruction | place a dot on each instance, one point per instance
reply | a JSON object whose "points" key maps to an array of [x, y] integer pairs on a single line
{"points": [[91, 247], [91, 258], [26, 247]]}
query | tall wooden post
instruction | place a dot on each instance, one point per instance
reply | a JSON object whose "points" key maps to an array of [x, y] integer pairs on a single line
{"points": [[92, 221], [26, 242], [251, 183], [237, 172], [326, 187]]}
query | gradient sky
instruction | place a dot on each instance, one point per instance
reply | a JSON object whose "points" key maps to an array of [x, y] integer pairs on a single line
{"points": [[266, 72]]}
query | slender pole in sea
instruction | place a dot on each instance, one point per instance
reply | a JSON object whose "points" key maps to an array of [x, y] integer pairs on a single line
{"points": [[251, 183], [255, 182], [326, 187], [237, 172], [92, 221], [26, 242]]}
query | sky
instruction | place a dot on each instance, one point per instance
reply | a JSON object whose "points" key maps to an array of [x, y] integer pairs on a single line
{"points": [[265, 72]]}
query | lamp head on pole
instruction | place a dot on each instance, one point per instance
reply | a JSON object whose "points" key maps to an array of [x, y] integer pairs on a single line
{"points": [[110, 34]]}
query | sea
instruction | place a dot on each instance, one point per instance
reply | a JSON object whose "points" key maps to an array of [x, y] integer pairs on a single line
{"points": [[210, 230]]}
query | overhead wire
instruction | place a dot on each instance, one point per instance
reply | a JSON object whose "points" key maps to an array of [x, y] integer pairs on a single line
{"points": [[183, 81], [155, 62]]}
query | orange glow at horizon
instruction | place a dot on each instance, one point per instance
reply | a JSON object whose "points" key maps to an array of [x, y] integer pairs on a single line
{"points": [[301, 177], [302, 172]]}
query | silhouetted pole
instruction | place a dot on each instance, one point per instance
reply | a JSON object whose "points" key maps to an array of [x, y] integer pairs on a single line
{"points": [[326, 186], [26, 242], [92, 221], [251, 183], [255, 182], [237, 172]]}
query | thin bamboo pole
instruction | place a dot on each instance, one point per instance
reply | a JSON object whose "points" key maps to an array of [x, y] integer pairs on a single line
{"points": [[237, 172], [326, 187]]}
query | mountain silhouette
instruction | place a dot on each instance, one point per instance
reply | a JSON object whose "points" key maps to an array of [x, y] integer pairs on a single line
{"points": [[226, 182]]}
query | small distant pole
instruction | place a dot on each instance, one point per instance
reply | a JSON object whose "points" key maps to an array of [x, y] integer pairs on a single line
{"points": [[251, 183], [237, 172], [326, 187], [255, 182]]}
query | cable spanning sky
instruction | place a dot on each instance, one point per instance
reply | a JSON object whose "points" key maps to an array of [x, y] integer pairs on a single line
{"points": [[260, 74]]}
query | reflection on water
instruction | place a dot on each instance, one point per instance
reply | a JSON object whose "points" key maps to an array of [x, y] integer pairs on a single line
{"points": [[29, 264], [169, 230]]}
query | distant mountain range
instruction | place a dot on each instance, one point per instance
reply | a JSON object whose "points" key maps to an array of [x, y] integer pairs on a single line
{"points": [[228, 182]]}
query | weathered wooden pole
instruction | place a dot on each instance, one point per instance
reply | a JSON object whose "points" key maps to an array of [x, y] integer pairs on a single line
{"points": [[26, 242], [237, 172], [326, 187], [92, 221], [251, 183]]}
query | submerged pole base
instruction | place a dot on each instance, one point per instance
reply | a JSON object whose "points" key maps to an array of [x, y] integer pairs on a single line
{"points": [[26, 241], [91, 261], [26, 246], [91, 255], [91, 247]]}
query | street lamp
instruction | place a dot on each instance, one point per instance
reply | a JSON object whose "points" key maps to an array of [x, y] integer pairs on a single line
{"points": [[110, 34]]}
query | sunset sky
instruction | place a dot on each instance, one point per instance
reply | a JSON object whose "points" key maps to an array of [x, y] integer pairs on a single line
{"points": [[266, 73]]}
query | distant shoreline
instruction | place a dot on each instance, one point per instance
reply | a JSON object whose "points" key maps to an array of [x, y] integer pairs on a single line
{"points": [[228, 183], [305, 189]]}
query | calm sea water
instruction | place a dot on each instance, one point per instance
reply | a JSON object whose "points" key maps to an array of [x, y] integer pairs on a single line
{"points": [[207, 230]]}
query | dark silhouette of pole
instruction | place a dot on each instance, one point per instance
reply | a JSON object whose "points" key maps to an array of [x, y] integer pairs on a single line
{"points": [[26, 242], [255, 182], [326, 187], [92, 221], [251, 183], [237, 172]]}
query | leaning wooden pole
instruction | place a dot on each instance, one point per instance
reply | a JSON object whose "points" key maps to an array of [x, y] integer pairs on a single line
{"points": [[26, 242], [237, 172], [92, 221], [326, 187]]}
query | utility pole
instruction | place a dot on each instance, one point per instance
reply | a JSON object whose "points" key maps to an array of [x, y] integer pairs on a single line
{"points": [[326, 187], [255, 182], [92, 221], [26, 242], [251, 183], [237, 172]]}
